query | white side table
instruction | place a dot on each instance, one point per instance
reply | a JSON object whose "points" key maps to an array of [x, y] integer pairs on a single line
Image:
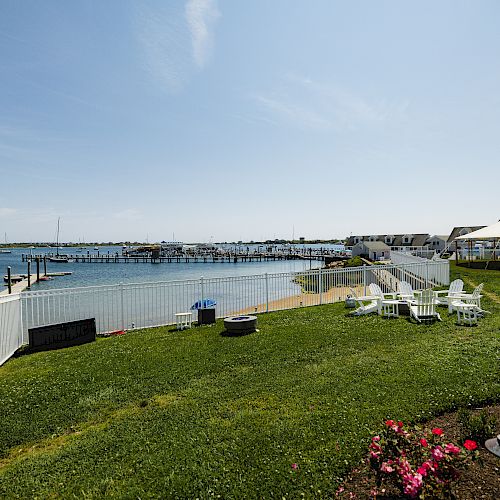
{"points": [[466, 314], [390, 308], [183, 320]]}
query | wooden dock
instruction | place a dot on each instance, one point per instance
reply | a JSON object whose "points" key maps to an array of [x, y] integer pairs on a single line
{"points": [[116, 258], [20, 282]]}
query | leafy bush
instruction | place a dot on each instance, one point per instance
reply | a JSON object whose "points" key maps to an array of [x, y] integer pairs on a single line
{"points": [[418, 462], [478, 426], [354, 262]]}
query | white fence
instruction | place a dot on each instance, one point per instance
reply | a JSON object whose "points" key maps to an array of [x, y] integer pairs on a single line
{"points": [[11, 333], [127, 306]]}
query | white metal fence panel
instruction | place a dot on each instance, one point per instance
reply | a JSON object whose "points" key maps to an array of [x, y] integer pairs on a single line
{"points": [[11, 333], [126, 306]]}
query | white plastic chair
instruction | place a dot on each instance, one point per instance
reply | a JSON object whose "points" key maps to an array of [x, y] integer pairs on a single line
{"points": [[473, 299], [386, 307], [456, 288], [406, 291], [370, 307], [424, 307]]}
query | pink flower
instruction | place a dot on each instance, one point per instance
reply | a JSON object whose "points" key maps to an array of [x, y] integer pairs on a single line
{"points": [[470, 445], [389, 423], [451, 448], [437, 431], [400, 424], [425, 468], [385, 467], [437, 453], [424, 443], [374, 454], [412, 484], [295, 466], [376, 438]]}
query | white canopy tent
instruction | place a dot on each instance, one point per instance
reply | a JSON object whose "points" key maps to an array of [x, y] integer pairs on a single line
{"points": [[490, 233], [486, 233]]}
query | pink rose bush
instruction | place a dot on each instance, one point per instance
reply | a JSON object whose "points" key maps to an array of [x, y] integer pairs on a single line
{"points": [[421, 463]]}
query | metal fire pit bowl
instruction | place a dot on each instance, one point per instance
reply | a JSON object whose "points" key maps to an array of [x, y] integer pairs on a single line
{"points": [[493, 445], [240, 325]]}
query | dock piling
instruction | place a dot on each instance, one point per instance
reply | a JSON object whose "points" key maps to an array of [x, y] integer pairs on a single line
{"points": [[29, 274], [9, 279]]}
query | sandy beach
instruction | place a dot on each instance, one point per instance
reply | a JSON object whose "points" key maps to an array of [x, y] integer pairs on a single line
{"points": [[331, 296]]}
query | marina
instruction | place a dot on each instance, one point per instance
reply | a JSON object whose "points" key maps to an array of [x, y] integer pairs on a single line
{"points": [[212, 257]]}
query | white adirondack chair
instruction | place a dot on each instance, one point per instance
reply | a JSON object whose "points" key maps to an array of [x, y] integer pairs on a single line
{"points": [[473, 298], [424, 307], [443, 296], [384, 304], [366, 304], [406, 291]]}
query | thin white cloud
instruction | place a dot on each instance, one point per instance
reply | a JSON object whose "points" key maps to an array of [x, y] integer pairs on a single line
{"points": [[129, 214], [201, 16], [349, 108], [300, 116], [176, 40], [6, 212], [164, 39], [317, 105]]}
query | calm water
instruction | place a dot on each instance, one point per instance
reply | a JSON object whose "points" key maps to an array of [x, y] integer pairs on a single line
{"points": [[105, 274]]}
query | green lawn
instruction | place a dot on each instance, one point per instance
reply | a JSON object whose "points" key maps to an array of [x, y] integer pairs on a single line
{"points": [[159, 413]]}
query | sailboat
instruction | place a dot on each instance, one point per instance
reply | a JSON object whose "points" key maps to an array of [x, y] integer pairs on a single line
{"points": [[5, 250], [59, 258]]}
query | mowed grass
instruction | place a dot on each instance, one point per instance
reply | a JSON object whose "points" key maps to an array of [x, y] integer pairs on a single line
{"points": [[162, 414]]}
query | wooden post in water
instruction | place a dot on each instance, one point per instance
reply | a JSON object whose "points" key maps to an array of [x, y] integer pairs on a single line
{"points": [[9, 279], [29, 273], [45, 265], [38, 268]]}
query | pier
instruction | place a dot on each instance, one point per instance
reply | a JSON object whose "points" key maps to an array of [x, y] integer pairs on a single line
{"points": [[21, 282], [185, 258]]}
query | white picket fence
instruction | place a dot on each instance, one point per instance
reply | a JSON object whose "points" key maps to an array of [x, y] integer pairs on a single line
{"points": [[127, 306], [11, 332]]}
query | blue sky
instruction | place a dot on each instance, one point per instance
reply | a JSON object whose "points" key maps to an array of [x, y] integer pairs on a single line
{"points": [[235, 120]]}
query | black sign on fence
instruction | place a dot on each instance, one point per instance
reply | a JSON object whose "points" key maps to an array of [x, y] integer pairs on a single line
{"points": [[62, 335]]}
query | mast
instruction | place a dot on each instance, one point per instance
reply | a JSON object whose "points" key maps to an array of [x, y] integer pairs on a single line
{"points": [[57, 241]]}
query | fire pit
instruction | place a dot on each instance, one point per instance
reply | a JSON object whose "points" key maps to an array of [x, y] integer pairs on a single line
{"points": [[239, 325]]}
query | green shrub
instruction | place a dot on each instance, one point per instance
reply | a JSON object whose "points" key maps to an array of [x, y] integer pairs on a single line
{"points": [[478, 426], [354, 262]]}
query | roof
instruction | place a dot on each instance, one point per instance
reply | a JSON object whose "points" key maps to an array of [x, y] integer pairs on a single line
{"points": [[485, 233], [375, 245], [418, 240], [456, 231]]}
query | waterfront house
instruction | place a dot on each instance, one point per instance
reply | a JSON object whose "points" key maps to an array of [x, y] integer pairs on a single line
{"points": [[398, 242], [372, 250]]}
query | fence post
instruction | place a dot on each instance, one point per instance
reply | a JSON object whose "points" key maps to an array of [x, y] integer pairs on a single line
{"points": [[364, 279], [122, 310], [9, 279], [29, 274], [320, 279], [267, 292], [202, 288]]}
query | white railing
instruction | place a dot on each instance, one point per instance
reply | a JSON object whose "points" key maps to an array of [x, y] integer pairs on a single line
{"points": [[419, 269], [11, 333], [127, 306]]}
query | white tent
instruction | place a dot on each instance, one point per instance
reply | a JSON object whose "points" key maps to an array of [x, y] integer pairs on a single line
{"points": [[486, 233]]}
